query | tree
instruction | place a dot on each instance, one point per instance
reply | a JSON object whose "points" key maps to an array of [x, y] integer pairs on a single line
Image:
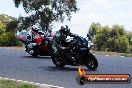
{"points": [[8, 39], [2, 28], [129, 36], [101, 38], [7, 23], [5, 18], [117, 30], [121, 44], [8, 26], [45, 12], [113, 39], [94, 28], [12, 26]]}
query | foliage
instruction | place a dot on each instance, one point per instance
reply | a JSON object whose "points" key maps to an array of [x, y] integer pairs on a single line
{"points": [[7, 23], [114, 39], [12, 26], [8, 39], [45, 12], [129, 36], [102, 37], [5, 18], [94, 29], [121, 44], [117, 30], [8, 28], [2, 28]]}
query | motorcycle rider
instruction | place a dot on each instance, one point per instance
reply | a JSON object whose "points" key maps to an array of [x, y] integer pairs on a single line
{"points": [[59, 38], [34, 35]]}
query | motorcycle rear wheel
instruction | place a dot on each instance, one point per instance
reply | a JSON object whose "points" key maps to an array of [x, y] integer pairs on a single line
{"points": [[57, 60], [91, 62]]}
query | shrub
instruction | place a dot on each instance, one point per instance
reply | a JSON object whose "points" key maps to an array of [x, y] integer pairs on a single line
{"points": [[121, 44], [8, 39]]}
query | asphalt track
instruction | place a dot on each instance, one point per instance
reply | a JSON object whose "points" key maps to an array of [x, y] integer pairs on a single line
{"points": [[15, 63]]}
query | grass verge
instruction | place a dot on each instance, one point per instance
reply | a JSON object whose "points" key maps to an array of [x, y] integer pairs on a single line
{"points": [[127, 55], [111, 53], [14, 84]]}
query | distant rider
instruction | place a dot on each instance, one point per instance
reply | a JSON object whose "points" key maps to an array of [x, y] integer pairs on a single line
{"points": [[34, 35]]}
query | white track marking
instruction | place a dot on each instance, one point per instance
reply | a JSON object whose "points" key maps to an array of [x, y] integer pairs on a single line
{"points": [[106, 55], [122, 56], [33, 83]]}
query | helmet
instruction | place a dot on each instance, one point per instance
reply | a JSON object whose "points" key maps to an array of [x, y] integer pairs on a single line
{"points": [[62, 29], [34, 29], [65, 30]]}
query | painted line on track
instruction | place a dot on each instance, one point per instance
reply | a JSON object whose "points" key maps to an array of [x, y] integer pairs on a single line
{"points": [[32, 83], [122, 56], [106, 55], [119, 56]]}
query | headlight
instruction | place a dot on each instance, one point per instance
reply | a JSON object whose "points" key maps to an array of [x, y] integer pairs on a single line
{"points": [[90, 44]]}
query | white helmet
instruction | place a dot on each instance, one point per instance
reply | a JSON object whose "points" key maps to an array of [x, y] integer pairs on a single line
{"points": [[34, 28]]}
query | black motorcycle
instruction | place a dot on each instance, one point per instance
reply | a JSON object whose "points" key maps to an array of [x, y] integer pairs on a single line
{"points": [[77, 52]]}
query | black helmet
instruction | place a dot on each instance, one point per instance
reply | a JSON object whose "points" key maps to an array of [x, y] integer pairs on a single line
{"points": [[65, 30]]}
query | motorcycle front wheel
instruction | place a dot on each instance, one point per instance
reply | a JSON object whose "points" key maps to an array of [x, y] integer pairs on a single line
{"points": [[31, 52], [91, 62]]}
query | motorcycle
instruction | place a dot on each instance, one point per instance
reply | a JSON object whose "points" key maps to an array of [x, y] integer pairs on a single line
{"points": [[43, 47], [77, 52]]}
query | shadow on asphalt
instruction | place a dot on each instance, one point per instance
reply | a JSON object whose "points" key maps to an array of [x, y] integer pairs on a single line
{"points": [[39, 57], [72, 68]]}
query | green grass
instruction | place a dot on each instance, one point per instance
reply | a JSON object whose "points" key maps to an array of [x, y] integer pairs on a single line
{"points": [[14, 84]]}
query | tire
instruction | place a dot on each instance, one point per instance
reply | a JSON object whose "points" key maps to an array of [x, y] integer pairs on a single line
{"points": [[91, 62], [57, 60], [34, 54]]}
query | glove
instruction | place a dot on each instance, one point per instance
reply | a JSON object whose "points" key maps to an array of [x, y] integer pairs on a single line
{"points": [[63, 47]]}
